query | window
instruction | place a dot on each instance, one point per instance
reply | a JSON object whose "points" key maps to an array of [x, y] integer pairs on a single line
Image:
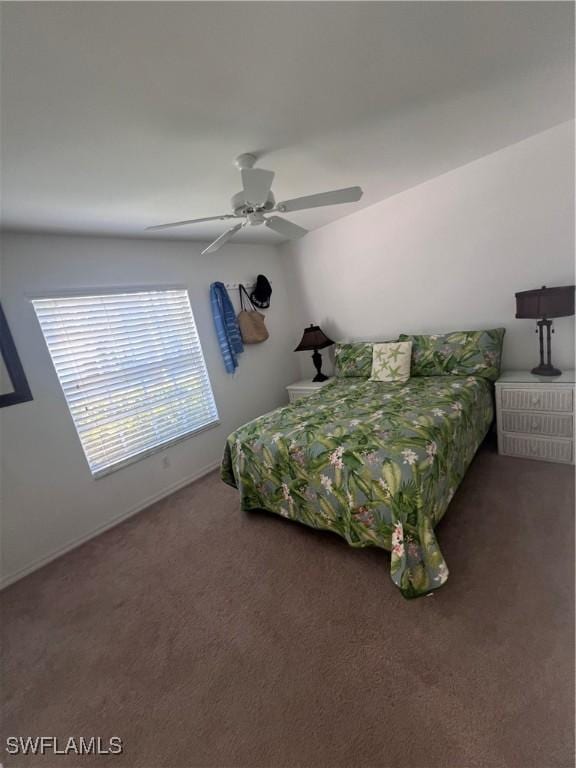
{"points": [[132, 371]]}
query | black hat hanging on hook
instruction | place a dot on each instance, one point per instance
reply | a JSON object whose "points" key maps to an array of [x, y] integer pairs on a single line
{"points": [[260, 296]]}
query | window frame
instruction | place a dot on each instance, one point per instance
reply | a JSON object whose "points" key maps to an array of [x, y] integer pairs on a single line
{"points": [[111, 291]]}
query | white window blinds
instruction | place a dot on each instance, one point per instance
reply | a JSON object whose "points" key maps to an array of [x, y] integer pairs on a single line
{"points": [[132, 371]]}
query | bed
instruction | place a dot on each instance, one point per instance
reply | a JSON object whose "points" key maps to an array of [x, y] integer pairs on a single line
{"points": [[376, 463]]}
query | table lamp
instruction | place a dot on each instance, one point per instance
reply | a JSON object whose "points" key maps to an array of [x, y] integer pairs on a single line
{"points": [[545, 303], [315, 338]]}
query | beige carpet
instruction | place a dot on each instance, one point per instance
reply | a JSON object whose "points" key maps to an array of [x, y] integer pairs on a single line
{"points": [[203, 636]]}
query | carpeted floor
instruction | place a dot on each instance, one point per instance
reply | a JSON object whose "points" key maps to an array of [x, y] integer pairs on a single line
{"points": [[203, 636]]}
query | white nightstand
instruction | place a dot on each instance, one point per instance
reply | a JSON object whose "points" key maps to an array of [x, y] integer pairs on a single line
{"points": [[535, 416], [304, 388]]}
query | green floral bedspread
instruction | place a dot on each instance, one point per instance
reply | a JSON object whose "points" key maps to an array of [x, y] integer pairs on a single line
{"points": [[376, 463]]}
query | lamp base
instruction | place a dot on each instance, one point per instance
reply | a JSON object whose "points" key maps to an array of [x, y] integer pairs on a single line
{"points": [[546, 370], [317, 360]]}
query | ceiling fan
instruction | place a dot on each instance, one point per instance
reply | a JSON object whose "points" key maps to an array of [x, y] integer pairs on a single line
{"points": [[256, 199]]}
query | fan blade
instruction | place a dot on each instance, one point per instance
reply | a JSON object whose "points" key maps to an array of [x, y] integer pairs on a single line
{"points": [[219, 242], [192, 221], [257, 183], [335, 197], [285, 227]]}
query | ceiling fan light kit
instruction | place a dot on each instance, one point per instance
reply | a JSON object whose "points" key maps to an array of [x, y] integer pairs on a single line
{"points": [[256, 199]]}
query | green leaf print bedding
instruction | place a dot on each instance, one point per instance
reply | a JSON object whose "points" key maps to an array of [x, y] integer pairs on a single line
{"points": [[376, 463]]}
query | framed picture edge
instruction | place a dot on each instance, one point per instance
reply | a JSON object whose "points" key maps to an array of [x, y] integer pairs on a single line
{"points": [[11, 358]]}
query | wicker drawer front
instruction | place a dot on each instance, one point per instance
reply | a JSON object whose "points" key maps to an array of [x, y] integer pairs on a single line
{"points": [[297, 395], [537, 399], [538, 423], [546, 449]]}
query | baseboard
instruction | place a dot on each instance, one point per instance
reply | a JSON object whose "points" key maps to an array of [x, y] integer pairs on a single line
{"points": [[5, 581]]}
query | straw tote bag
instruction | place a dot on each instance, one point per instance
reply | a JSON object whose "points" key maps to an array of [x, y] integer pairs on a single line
{"points": [[250, 321]]}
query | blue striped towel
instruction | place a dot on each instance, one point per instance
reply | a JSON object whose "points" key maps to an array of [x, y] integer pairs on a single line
{"points": [[226, 325]]}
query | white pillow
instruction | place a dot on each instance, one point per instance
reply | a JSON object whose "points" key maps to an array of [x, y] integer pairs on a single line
{"points": [[391, 361]]}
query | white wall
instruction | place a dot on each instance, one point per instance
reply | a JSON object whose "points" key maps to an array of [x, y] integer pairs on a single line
{"points": [[49, 499], [449, 254]]}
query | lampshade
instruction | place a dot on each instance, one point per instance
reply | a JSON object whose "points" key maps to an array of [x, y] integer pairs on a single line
{"points": [[313, 338], [545, 302]]}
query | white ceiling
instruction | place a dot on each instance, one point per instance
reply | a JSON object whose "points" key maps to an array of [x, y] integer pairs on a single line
{"points": [[117, 116]]}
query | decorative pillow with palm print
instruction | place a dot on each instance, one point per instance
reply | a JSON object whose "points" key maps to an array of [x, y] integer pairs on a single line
{"points": [[391, 361], [461, 353], [353, 359]]}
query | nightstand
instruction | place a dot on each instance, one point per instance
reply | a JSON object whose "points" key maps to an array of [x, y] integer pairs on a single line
{"points": [[304, 388], [535, 416]]}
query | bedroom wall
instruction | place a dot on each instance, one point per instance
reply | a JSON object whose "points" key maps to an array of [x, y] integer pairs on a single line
{"points": [[450, 253], [50, 502]]}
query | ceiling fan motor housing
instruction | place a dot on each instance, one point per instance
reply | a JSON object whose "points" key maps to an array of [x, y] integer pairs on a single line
{"points": [[241, 208]]}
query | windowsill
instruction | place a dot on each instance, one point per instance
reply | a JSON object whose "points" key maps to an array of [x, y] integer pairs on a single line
{"points": [[151, 451]]}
